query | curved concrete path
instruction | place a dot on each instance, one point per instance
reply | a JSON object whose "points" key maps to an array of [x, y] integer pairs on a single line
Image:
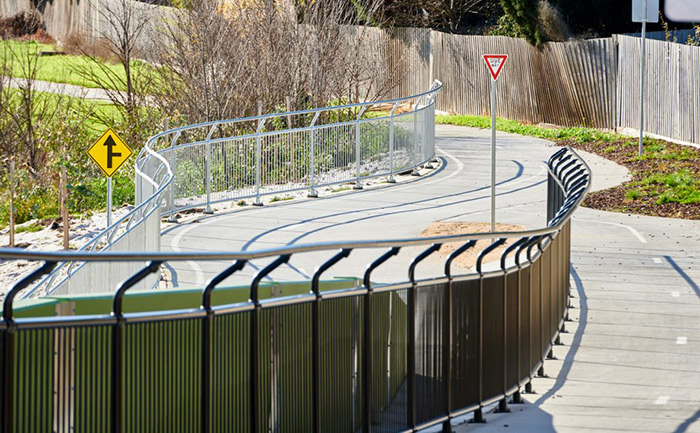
{"points": [[631, 359]]}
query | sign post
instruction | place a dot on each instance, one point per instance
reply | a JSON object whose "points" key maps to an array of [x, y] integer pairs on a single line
{"points": [[109, 153], [494, 63], [643, 11]]}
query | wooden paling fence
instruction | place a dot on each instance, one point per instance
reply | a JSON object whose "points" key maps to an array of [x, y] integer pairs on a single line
{"points": [[592, 83]]}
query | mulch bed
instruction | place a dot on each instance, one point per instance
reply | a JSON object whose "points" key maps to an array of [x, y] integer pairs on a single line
{"points": [[625, 152]]}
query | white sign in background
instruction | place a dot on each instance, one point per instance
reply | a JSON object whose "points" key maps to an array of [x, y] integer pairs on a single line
{"points": [[652, 13], [682, 10]]}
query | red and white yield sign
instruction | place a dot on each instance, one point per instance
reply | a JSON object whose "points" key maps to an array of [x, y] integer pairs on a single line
{"points": [[495, 63]]}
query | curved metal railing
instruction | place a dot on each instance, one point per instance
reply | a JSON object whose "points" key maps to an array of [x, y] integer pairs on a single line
{"points": [[399, 357], [227, 160]]}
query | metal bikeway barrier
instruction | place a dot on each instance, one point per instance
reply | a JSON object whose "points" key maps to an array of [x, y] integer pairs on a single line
{"points": [[228, 160], [390, 358]]}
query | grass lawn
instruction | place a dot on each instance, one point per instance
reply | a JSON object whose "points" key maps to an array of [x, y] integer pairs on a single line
{"points": [[56, 69], [665, 180]]}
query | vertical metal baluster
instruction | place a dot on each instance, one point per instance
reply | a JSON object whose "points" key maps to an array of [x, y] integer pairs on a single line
{"points": [[312, 157]]}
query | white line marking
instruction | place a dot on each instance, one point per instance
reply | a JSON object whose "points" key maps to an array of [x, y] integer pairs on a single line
{"points": [[175, 245], [657, 260], [662, 399], [682, 340], [675, 294], [631, 229]]}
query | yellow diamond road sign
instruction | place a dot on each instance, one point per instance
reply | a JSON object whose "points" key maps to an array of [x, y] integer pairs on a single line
{"points": [[109, 152]]}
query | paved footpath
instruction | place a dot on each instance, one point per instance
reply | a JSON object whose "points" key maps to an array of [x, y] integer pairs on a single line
{"points": [[631, 359]]}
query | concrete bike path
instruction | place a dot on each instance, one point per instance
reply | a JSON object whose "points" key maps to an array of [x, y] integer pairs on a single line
{"points": [[457, 191], [631, 359]]}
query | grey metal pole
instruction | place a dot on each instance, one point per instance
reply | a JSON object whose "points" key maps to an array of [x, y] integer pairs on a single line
{"points": [[358, 184], [493, 156], [642, 71], [391, 143], [312, 157], [207, 177], [258, 157], [109, 201]]}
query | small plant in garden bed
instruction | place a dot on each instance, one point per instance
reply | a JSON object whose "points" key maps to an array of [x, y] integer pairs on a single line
{"points": [[665, 179], [276, 199]]}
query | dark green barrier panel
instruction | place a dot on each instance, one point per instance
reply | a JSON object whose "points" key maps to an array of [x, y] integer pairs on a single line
{"points": [[162, 365], [512, 329], [34, 381], [465, 343], [493, 345], [525, 322], [231, 373]]}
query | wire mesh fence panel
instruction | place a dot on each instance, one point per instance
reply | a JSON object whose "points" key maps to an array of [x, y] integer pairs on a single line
{"points": [[284, 161], [232, 169], [404, 141], [374, 147], [429, 347], [334, 154], [189, 184]]}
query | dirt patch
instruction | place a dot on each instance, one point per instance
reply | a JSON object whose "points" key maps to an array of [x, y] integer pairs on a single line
{"points": [[467, 261]]}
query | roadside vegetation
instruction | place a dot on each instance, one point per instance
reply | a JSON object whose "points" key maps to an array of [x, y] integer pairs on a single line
{"points": [[212, 62], [54, 65], [665, 179]]}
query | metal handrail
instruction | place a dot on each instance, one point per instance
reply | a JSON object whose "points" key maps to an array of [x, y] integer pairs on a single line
{"points": [[163, 174]]}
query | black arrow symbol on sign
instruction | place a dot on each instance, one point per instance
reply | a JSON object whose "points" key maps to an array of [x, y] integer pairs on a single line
{"points": [[110, 151]]}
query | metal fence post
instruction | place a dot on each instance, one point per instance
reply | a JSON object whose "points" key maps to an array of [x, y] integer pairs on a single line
{"points": [[412, 403], [171, 189], [207, 171], [258, 158], [312, 157], [367, 339], [391, 143], [416, 144], [358, 148], [207, 345], [8, 355], [316, 336]]}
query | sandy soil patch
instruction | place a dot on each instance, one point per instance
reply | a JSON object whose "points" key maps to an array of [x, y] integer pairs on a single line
{"points": [[467, 261]]}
